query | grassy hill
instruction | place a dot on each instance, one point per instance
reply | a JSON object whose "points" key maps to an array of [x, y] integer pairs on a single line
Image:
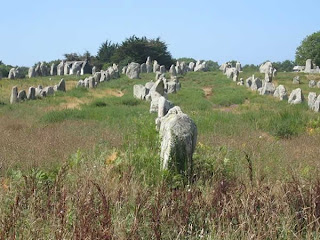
{"points": [[85, 163]]}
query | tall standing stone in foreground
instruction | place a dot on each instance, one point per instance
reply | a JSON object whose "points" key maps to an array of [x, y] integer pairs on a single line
{"points": [[53, 70], [62, 85], [133, 70], [14, 95], [143, 68], [178, 134], [173, 71]]}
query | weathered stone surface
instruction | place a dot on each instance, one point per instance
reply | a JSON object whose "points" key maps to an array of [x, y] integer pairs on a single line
{"points": [[31, 72], [124, 70], [116, 73], [60, 69], [53, 70], [318, 84], [22, 96], [296, 80], [200, 66], [171, 87], [37, 70], [173, 71], [154, 97], [316, 106], [140, 91], [230, 72], [312, 96], [31, 93], [191, 66], [164, 106], [149, 65], [281, 93], [14, 95], [309, 65], [156, 66], [43, 69], [75, 68], [80, 83], [266, 67], [178, 134], [267, 88], [92, 82], [94, 69], [238, 66], [296, 96], [97, 77], [235, 77], [241, 82], [11, 74], [62, 85], [133, 70], [249, 82], [149, 85], [162, 69], [48, 90], [39, 91], [256, 84], [312, 83], [158, 86], [143, 68]]}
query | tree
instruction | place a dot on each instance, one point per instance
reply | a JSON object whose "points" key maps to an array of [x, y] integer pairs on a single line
{"points": [[106, 51], [212, 65], [309, 49], [285, 66], [72, 56], [135, 49]]}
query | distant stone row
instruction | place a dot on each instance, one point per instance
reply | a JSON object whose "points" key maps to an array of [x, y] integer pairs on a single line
{"points": [[98, 77], [134, 69], [34, 93], [266, 87]]}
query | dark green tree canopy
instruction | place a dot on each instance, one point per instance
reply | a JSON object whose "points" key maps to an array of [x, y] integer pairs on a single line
{"points": [[135, 49], [285, 66], [106, 51], [309, 49]]}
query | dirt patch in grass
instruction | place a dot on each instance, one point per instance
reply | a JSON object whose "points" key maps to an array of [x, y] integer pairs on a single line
{"points": [[107, 92], [207, 92]]}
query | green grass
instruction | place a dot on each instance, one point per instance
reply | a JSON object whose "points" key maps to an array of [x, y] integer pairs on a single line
{"points": [[255, 163]]}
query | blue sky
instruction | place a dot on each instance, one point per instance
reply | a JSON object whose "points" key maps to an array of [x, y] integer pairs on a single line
{"points": [[249, 31]]}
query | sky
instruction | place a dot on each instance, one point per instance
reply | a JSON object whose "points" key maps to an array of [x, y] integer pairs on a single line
{"points": [[249, 31]]}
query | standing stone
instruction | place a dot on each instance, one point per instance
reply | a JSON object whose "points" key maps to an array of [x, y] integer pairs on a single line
{"points": [[164, 106], [37, 70], [296, 96], [162, 69], [173, 71], [60, 68], [31, 72], [191, 66], [238, 66], [143, 68], [22, 96], [266, 67], [66, 69], [171, 87], [267, 88], [235, 77], [139, 91], [133, 70], [308, 67], [149, 65], [38, 91], [281, 93], [116, 70], [31, 93], [178, 134], [94, 70], [62, 85], [124, 70], [91, 82], [43, 69], [156, 66], [230, 72], [274, 73], [75, 68], [312, 99], [296, 80], [48, 90], [249, 81], [11, 74], [14, 95], [318, 84], [316, 106], [256, 84], [312, 83], [53, 70]]}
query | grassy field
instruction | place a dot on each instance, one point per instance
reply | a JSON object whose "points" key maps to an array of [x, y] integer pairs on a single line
{"points": [[85, 164]]}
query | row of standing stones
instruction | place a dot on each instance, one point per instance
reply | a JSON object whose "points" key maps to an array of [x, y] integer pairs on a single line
{"points": [[177, 131], [36, 92], [266, 87]]}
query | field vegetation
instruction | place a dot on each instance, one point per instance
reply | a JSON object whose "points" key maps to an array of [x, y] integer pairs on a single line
{"points": [[85, 164]]}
